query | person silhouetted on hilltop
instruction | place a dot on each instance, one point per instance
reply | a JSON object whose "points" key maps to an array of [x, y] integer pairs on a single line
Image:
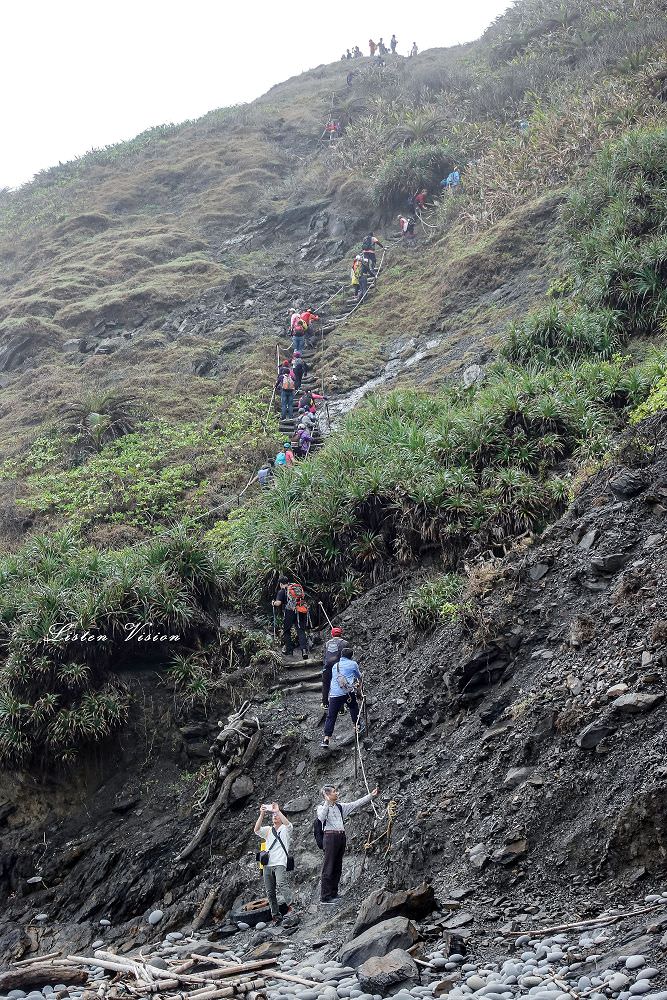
{"points": [[372, 46], [414, 50], [382, 48], [291, 597], [356, 52], [392, 44], [348, 54]]}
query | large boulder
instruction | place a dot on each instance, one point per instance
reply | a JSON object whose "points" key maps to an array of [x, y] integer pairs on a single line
{"points": [[379, 940], [382, 972], [417, 902]]}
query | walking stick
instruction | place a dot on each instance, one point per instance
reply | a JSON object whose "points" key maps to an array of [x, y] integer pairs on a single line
{"points": [[325, 614], [275, 386], [364, 705], [275, 632]]}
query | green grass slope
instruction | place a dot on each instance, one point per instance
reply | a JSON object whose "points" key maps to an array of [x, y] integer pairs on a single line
{"points": [[122, 471]]}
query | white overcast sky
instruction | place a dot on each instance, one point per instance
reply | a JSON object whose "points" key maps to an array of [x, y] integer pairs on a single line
{"points": [[79, 74]]}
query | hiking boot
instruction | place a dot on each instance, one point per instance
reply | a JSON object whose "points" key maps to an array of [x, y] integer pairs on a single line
{"points": [[304, 654], [325, 743], [324, 706]]}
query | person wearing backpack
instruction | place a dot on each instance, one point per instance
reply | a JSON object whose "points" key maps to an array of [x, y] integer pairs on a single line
{"points": [[307, 400], [265, 474], [407, 226], [368, 250], [275, 830], [285, 383], [332, 650], [329, 832], [300, 368], [358, 278], [297, 330], [291, 598], [345, 679], [305, 439]]}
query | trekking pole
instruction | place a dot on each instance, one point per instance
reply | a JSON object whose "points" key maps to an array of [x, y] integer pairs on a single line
{"points": [[251, 480], [275, 386], [325, 614], [275, 630]]}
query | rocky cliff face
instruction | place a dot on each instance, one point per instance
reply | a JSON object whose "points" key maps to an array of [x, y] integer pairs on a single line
{"points": [[523, 749]]}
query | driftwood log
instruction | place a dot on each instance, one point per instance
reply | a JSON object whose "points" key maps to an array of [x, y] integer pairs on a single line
{"points": [[204, 910], [36, 973], [221, 798]]}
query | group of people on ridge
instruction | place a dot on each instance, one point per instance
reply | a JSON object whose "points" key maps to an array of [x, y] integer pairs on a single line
{"points": [[341, 685]]}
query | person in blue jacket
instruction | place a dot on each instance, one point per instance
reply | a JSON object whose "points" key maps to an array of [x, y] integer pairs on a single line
{"points": [[345, 681], [452, 180]]}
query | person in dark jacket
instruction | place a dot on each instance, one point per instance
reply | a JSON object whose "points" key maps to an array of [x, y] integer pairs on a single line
{"points": [[332, 650], [300, 368], [295, 615]]}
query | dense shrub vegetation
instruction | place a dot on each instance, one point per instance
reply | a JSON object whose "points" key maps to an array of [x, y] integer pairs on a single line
{"points": [[148, 477], [57, 690]]}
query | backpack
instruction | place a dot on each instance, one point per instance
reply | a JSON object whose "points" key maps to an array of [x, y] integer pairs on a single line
{"points": [[288, 381], [296, 597], [332, 651], [368, 243], [318, 829], [342, 680]]}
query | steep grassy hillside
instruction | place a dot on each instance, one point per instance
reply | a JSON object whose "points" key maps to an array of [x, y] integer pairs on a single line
{"points": [[147, 285]]}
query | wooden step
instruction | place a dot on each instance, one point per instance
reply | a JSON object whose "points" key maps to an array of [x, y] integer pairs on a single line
{"points": [[303, 687]]}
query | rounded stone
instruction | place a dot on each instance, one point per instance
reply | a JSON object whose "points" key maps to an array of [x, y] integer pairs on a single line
{"points": [[16, 995], [650, 973], [635, 962], [155, 917], [475, 982], [618, 981], [41, 917], [104, 922], [242, 926], [640, 987], [261, 926]]}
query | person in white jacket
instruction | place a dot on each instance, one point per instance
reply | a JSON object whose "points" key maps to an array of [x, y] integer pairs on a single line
{"points": [[276, 831]]}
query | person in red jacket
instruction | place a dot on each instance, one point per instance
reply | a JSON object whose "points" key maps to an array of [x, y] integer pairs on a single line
{"points": [[420, 200], [309, 317]]}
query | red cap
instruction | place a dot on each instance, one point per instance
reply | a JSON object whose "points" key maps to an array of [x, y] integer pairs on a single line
{"points": [[336, 632]]}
